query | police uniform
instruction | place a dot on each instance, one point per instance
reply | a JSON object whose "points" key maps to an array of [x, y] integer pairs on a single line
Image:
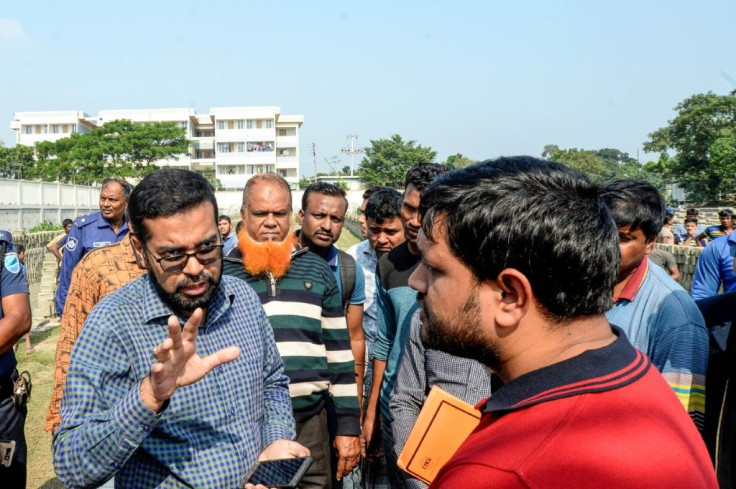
{"points": [[87, 233], [12, 418]]}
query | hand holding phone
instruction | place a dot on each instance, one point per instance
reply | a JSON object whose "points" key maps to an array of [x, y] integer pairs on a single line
{"points": [[281, 473]]}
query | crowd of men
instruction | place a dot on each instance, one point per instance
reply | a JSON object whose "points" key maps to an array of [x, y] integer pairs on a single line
{"points": [[188, 350]]}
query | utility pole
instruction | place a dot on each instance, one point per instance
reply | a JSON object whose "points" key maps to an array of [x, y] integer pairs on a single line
{"points": [[314, 158], [352, 151]]}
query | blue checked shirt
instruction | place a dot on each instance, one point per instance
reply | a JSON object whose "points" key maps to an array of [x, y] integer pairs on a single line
{"points": [[211, 432]]}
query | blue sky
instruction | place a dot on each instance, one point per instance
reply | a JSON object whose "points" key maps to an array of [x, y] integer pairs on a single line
{"points": [[482, 78]]}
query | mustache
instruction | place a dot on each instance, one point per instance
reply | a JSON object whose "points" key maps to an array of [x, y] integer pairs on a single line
{"points": [[188, 281]]}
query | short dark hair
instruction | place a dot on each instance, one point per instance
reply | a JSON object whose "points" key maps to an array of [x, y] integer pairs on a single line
{"points": [[496, 215], [635, 203], [692, 211], [19, 248], [66, 222], [127, 188], [271, 178], [166, 192], [384, 204], [422, 175], [690, 219], [323, 188], [371, 190], [223, 217], [725, 213]]}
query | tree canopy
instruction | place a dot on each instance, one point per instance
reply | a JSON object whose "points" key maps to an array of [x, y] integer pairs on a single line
{"points": [[16, 162], [698, 147], [120, 148], [459, 161], [386, 161]]}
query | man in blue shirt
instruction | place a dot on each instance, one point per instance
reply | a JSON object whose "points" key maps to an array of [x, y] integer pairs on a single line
{"points": [[15, 321], [94, 231], [140, 402], [229, 237], [715, 268]]}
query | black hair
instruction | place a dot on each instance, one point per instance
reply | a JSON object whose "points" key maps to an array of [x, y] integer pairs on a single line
{"points": [[690, 219], [385, 203], [20, 249], [541, 218], [66, 222], [127, 188], [370, 191], [692, 211], [636, 204], [224, 218], [422, 175], [725, 213], [325, 189], [166, 192]]}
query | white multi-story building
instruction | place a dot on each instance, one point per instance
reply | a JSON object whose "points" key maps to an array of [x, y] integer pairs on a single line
{"points": [[233, 143]]}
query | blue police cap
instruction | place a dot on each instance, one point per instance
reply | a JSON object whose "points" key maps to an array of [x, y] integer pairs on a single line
{"points": [[6, 236]]}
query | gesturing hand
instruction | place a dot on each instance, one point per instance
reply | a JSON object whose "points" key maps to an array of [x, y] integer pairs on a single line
{"points": [[177, 362]]}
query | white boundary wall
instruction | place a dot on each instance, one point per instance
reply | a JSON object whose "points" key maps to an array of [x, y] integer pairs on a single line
{"points": [[24, 204]]}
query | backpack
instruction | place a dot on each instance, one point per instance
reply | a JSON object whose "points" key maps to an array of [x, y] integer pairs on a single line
{"points": [[347, 277]]}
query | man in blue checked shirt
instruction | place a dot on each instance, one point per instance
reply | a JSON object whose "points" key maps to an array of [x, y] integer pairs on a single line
{"points": [[157, 404]]}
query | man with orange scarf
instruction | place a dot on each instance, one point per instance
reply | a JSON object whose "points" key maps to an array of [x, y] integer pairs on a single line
{"points": [[301, 298]]}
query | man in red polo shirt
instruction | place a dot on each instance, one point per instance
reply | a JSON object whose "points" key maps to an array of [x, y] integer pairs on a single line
{"points": [[580, 407]]}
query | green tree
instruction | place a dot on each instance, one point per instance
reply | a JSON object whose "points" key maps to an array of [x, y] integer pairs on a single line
{"points": [[459, 161], [699, 144], [582, 160], [16, 162], [119, 148], [386, 161]]}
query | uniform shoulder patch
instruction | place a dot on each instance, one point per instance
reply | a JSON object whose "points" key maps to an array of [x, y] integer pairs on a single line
{"points": [[12, 263], [71, 244]]}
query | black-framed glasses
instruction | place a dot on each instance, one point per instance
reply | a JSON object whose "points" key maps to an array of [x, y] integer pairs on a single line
{"points": [[176, 263]]}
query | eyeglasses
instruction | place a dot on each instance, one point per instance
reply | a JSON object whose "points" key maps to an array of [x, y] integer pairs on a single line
{"points": [[177, 263]]}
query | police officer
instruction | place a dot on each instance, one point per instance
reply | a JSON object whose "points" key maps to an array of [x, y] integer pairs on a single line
{"points": [[93, 231], [15, 321]]}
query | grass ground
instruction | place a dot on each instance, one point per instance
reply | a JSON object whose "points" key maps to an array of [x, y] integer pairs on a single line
{"points": [[41, 366]]}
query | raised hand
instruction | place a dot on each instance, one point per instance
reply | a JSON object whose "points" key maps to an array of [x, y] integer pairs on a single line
{"points": [[177, 362]]}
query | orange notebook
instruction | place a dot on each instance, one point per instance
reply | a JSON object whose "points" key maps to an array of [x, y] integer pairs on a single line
{"points": [[442, 426]]}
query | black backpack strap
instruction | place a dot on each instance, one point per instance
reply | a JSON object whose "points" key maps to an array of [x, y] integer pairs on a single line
{"points": [[347, 276]]}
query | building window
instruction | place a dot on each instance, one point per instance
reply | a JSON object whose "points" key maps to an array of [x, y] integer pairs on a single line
{"points": [[55, 128], [282, 132], [221, 124], [283, 152], [241, 147], [269, 124], [249, 123], [241, 125], [29, 129], [74, 128], [260, 146], [282, 173], [223, 147]]}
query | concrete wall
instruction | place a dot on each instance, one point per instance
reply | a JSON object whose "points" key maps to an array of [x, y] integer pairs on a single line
{"points": [[25, 204]]}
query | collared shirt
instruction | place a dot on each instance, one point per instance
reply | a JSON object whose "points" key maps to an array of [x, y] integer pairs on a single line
{"points": [[87, 233], [366, 257], [229, 242], [603, 418], [715, 268], [420, 370], [210, 433], [660, 319], [12, 281], [101, 272], [358, 295], [681, 233], [713, 232]]}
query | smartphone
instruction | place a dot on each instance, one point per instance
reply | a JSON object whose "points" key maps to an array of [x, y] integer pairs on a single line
{"points": [[286, 472]]}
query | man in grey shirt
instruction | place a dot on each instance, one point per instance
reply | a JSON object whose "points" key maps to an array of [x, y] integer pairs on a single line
{"points": [[421, 369]]}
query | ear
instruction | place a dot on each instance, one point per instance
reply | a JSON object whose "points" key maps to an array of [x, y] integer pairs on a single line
{"points": [[301, 216], [137, 245], [515, 297], [650, 245]]}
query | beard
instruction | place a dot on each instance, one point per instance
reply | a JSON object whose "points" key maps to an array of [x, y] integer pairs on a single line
{"points": [[178, 302], [461, 335], [272, 257]]}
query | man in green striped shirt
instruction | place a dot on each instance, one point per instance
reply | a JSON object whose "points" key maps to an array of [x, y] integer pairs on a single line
{"points": [[301, 298]]}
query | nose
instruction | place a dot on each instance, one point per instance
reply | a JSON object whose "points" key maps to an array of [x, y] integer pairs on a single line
{"points": [[417, 280], [193, 267], [270, 221]]}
